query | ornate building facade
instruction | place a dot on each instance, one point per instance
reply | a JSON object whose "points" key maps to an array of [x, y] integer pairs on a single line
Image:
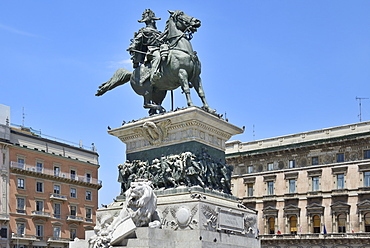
{"points": [[4, 174], [310, 189], [53, 189]]}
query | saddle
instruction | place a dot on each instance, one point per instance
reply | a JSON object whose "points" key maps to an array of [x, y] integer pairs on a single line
{"points": [[150, 69]]}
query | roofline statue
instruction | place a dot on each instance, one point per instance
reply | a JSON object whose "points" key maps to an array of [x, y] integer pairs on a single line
{"points": [[162, 62]]}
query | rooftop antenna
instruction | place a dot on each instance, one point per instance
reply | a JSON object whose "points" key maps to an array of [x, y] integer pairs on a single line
{"points": [[23, 116], [359, 103], [254, 133]]}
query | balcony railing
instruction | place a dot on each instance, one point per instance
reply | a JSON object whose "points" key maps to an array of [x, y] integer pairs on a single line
{"points": [[23, 236], [315, 236], [58, 197], [27, 167], [74, 218], [40, 213], [58, 240], [21, 211], [4, 217]]}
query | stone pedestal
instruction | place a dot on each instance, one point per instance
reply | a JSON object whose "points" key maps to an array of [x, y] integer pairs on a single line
{"points": [[184, 130], [197, 218], [194, 212]]}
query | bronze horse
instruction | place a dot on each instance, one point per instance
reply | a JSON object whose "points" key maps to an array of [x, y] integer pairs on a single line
{"points": [[177, 66]]}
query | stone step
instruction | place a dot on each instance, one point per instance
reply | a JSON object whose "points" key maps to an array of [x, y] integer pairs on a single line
{"points": [[149, 237]]}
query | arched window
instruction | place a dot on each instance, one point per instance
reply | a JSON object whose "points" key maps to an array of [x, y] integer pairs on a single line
{"points": [[316, 224], [341, 223], [367, 222], [271, 224], [293, 225]]}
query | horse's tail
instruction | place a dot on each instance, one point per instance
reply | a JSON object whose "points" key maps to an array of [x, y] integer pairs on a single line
{"points": [[121, 76]]}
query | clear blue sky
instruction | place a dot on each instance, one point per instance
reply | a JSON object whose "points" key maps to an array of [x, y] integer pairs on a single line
{"points": [[282, 66]]}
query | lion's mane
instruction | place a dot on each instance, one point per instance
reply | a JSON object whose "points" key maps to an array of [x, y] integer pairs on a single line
{"points": [[141, 203]]}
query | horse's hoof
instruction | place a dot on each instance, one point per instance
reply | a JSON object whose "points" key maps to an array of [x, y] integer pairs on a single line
{"points": [[209, 110]]}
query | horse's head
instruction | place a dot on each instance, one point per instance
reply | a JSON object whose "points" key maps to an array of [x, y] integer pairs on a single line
{"points": [[184, 22]]}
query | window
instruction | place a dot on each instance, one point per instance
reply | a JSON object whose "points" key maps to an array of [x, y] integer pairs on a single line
{"points": [[39, 231], [20, 228], [20, 183], [21, 205], [340, 181], [20, 163], [56, 189], [341, 223], [250, 189], [73, 174], [270, 166], [4, 232], [39, 187], [72, 233], [367, 222], [367, 179], [315, 184], [291, 163], [88, 195], [271, 225], [340, 157], [56, 171], [250, 169], [292, 183], [57, 210], [316, 224], [270, 187], [88, 214], [39, 205], [366, 154], [39, 167], [73, 210], [73, 193], [56, 232], [315, 160], [88, 177], [293, 225]]}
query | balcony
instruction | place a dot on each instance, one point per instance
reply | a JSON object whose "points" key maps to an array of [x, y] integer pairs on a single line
{"points": [[315, 236], [58, 240], [40, 214], [21, 211], [16, 236], [58, 197], [74, 218], [34, 169], [4, 217]]}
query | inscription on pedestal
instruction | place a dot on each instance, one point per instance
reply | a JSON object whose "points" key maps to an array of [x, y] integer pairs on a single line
{"points": [[231, 221]]}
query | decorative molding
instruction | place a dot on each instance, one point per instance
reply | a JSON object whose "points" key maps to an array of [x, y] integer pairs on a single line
{"points": [[293, 175], [339, 170]]}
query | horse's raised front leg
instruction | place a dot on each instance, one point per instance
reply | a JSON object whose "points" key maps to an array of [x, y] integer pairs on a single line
{"points": [[183, 75], [197, 83]]}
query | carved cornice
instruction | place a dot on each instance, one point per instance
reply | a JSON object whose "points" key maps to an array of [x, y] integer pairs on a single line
{"points": [[190, 124]]}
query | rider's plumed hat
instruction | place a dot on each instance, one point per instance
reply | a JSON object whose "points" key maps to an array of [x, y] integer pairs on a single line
{"points": [[148, 15]]}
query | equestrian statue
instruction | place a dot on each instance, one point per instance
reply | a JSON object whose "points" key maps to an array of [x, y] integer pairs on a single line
{"points": [[162, 62]]}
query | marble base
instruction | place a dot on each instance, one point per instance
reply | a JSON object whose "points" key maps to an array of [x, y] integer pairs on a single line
{"points": [[194, 217], [122, 232]]}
